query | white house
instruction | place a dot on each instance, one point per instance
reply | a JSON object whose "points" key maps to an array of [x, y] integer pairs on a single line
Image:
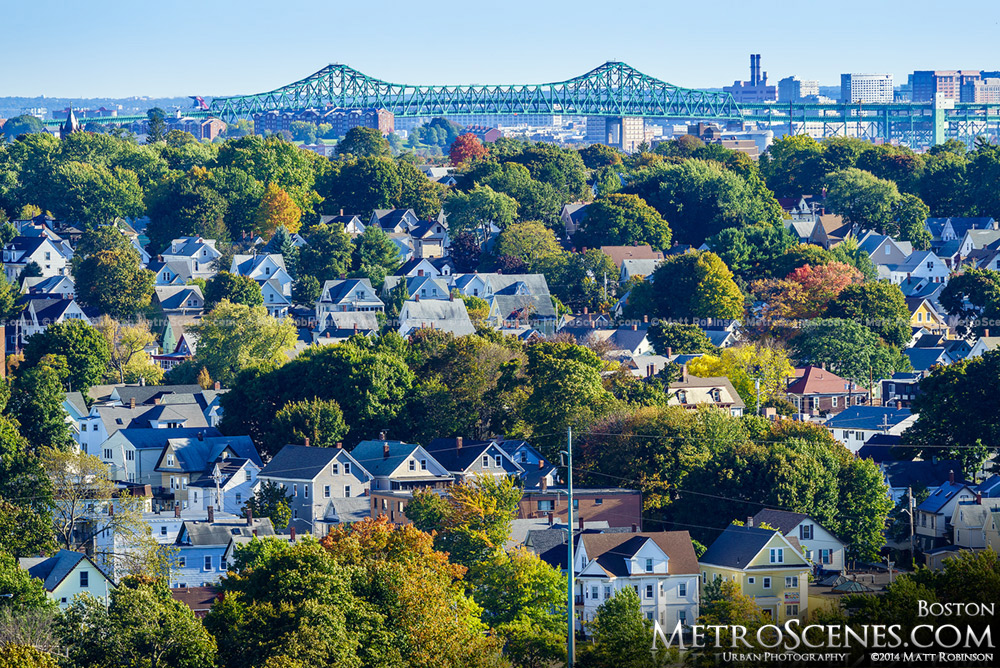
{"points": [[68, 573], [855, 425], [445, 315], [822, 548], [919, 265], [660, 567], [51, 257], [41, 312], [351, 294], [191, 257]]}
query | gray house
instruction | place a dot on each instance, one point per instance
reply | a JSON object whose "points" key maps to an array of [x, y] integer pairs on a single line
{"points": [[314, 478]]}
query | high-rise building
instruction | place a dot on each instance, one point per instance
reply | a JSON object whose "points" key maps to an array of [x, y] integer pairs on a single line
{"points": [[928, 83], [867, 88], [982, 91], [754, 90], [624, 132], [793, 89]]}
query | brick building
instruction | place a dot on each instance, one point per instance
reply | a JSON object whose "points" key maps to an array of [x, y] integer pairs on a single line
{"points": [[618, 507]]}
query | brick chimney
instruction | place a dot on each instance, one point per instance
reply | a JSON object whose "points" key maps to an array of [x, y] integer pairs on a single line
{"points": [[211, 514], [217, 385], [581, 523], [684, 373], [458, 443], [585, 310], [291, 532], [749, 521], [541, 464], [177, 510], [545, 484], [670, 352], [951, 477], [385, 450], [131, 403], [986, 333], [306, 443], [551, 519], [340, 446], [416, 298], [249, 517]]}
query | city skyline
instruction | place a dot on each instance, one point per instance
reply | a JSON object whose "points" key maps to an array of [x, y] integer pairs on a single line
{"points": [[227, 53]]}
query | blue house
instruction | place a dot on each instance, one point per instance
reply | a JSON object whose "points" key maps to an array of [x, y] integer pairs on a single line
{"points": [[202, 546]]}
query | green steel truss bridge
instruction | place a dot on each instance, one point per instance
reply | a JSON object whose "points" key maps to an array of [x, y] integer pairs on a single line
{"points": [[612, 90]]}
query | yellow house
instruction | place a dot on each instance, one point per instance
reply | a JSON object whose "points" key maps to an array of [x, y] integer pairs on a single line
{"points": [[923, 314], [66, 574], [769, 567]]}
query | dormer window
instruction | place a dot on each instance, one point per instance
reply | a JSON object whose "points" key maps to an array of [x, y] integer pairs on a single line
{"points": [[170, 460], [649, 565]]}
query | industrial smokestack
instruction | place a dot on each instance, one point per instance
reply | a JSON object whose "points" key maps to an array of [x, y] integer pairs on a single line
{"points": [[753, 69]]}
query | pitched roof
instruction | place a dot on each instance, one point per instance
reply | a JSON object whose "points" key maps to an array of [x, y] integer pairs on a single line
{"points": [[197, 454], [782, 520], [144, 438], [618, 254], [920, 473], [147, 394], [941, 496], [697, 391], [442, 314], [815, 380], [371, 455], [523, 307], [221, 532], [175, 296], [923, 359], [868, 417], [736, 546], [612, 550], [300, 462], [53, 570]]}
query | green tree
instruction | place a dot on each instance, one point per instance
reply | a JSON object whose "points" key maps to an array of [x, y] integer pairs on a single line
{"points": [[114, 282], [283, 244], [531, 243], [21, 125], [848, 349], [910, 215], [363, 142], [155, 120], [955, 406], [36, 403], [862, 522], [235, 337], [272, 160], [476, 210], [679, 339], [863, 199], [974, 297], [21, 590], [362, 185], [623, 220], [83, 347], [187, 204], [621, 633], [93, 195], [270, 500], [691, 285], [233, 287], [750, 252], [142, 625], [596, 156], [328, 254], [24, 532], [318, 420], [306, 291], [794, 166], [880, 306], [375, 255]]}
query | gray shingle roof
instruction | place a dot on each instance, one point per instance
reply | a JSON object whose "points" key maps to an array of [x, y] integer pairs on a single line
{"points": [[737, 546], [147, 439], [371, 455], [196, 455], [300, 462], [868, 417], [53, 570], [220, 533]]}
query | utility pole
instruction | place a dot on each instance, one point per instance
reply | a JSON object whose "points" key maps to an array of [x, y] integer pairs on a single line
{"points": [[890, 564], [756, 383], [570, 598], [909, 503]]}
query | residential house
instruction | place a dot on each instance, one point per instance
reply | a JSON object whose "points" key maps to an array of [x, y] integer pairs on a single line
{"points": [[883, 250], [313, 478], [768, 567], [198, 472], [619, 254], [900, 389], [925, 315], [53, 287], [645, 366], [38, 313], [622, 342], [52, 257], [516, 310], [932, 520], [637, 268], [465, 460], [192, 257], [661, 568], [572, 216], [924, 265], [394, 221], [983, 345], [977, 240], [351, 294], [855, 425], [952, 229], [444, 315], [179, 299], [818, 391], [617, 506], [914, 474], [198, 599], [430, 239], [693, 391], [268, 269], [821, 546], [395, 465], [425, 287], [167, 274], [68, 573], [351, 224], [336, 326], [424, 266], [922, 359], [202, 546]]}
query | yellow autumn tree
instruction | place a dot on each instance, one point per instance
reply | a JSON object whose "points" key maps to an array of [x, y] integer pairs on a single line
{"points": [[743, 364], [277, 208]]}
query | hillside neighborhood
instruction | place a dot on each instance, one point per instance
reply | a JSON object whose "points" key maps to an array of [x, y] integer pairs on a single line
{"points": [[248, 368]]}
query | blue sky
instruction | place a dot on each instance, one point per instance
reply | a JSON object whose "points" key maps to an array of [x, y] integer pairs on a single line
{"points": [[187, 47]]}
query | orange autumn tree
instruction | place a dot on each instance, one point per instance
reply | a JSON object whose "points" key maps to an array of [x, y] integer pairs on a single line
{"points": [[466, 147], [804, 293], [277, 208]]}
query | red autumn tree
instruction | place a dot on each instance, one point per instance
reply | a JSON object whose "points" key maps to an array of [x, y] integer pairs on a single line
{"points": [[821, 284], [466, 147]]}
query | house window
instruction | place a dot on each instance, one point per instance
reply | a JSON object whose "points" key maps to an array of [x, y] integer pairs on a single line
{"points": [[107, 453], [163, 530], [423, 464], [295, 514], [607, 593], [682, 616], [239, 499], [649, 565], [806, 532], [576, 504], [791, 610], [486, 461], [334, 468], [593, 592], [767, 583], [682, 589], [326, 491], [295, 491], [83, 427], [347, 491], [84, 578], [704, 579], [826, 556], [170, 460], [546, 505], [792, 581], [347, 468], [181, 562], [524, 457], [208, 562], [496, 461], [413, 465], [247, 477], [649, 591], [777, 555], [834, 402], [751, 580]]}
